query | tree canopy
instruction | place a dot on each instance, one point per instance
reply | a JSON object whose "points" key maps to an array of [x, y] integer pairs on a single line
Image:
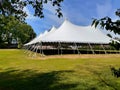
{"points": [[12, 29], [108, 23], [12, 19], [15, 7]]}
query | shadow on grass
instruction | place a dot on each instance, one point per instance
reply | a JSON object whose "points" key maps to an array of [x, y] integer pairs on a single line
{"points": [[12, 79], [106, 79]]}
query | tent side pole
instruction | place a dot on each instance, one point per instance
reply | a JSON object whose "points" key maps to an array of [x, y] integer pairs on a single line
{"points": [[73, 48], [87, 49], [110, 50], [99, 49], [25, 49], [103, 49], [77, 48], [115, 50], [60, 48], [34, 46], [91, 48], [119, 51], [37, 45], [29, 50], [40, 47], [41, 50]]}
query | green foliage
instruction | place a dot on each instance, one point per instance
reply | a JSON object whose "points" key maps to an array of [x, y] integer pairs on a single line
{"points": [[115, 72], [118, 12], [15, 7], [115, 44], [19, 43], [11, 28], [12, 18], [108, 24]]}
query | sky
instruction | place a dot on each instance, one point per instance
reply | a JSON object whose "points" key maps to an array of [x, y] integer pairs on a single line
{"points": [[79, 12]]}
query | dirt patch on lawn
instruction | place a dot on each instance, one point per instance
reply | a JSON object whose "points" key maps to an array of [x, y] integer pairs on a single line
{"points": [[75, 56]]}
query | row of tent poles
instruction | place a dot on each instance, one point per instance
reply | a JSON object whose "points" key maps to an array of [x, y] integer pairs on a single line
{"points": [[39, 46]]}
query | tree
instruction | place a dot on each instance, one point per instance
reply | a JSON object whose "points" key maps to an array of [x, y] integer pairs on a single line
{"points": [[11, 28], [15, 7], [108, 23]]}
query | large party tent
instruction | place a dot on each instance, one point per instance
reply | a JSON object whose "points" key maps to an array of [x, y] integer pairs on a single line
{"points": [[72, 36], [70, 33]]}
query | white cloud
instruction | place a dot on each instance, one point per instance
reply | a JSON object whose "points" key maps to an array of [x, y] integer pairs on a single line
{"points": [[49, 13]]}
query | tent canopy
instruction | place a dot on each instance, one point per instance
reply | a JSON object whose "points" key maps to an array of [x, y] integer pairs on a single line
{"points": [[71, 33], [40, 37]]}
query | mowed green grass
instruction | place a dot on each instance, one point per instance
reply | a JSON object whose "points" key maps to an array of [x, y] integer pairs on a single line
{"points": [[18, 71]]}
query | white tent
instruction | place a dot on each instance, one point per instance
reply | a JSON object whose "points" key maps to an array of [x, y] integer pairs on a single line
{"points": [[41, 36], [70, 33], [52, 30], [32, 41]]}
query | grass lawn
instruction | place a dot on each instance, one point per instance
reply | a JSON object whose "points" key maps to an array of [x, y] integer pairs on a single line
{"points": [[66, 72]]}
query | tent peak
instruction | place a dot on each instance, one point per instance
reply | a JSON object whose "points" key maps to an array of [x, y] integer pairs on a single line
{"points": [[53, 27], [66, 21]]}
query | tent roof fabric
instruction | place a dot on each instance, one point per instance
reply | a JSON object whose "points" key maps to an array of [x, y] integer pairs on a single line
{"points": [[39, 37], [71, 33]]}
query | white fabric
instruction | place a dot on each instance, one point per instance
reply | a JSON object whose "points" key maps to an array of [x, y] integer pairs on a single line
{"points": [[69, 32], [38, 38], [115, 40], [53, 29]]}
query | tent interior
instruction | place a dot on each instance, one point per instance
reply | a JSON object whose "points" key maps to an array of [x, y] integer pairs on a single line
{"points": [[71, 39]]}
